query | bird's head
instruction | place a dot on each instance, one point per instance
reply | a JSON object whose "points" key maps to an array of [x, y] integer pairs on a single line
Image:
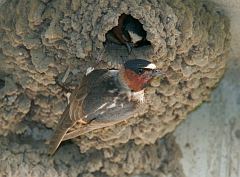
{"points": [[133, 30], [138, 73]]}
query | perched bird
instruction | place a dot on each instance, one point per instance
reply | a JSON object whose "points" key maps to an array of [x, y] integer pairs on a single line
{"points": [[104, 97], [129, 32]]}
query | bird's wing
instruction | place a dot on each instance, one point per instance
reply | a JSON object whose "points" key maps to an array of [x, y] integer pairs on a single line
{"points": [[73, 112], [112, 108], [109, 118], [117, 30]]}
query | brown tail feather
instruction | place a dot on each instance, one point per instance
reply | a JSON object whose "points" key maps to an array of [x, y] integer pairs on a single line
{"points": [[56, 141], [63, 126], [78, 132], [85, 129]]}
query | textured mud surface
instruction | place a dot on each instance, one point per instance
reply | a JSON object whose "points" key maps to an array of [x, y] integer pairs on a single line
{"points": [[46, 47], [27, 156]]}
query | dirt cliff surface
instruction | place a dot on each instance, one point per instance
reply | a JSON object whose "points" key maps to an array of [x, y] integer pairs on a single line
{"points": [[46, 47]]}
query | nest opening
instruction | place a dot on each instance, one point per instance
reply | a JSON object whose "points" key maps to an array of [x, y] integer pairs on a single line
{"points": [[126, 40]]}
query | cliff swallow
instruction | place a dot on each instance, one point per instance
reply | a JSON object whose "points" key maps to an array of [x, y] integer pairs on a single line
{"points": [[104, 98], [129, 32]]}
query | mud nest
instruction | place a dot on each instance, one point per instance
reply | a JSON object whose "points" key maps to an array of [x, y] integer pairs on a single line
{"points": [[46, 47]]}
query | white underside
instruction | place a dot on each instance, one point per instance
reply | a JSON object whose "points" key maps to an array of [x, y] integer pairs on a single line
{"points": [[138, 96]]}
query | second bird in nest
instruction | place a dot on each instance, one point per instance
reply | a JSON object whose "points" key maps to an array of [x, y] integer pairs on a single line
{"points": [[129, 32]]}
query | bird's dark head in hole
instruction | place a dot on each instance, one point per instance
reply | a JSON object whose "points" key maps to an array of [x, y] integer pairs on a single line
{"points": [[129, 32]]}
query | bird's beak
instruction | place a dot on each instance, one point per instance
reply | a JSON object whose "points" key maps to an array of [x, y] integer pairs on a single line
{"points": [[156, 73]]}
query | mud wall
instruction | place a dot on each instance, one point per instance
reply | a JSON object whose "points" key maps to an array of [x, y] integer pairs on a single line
{"points": [[46, 47]]}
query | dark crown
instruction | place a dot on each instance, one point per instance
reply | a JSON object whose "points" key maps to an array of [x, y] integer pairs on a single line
{"points": [[136, 63]]}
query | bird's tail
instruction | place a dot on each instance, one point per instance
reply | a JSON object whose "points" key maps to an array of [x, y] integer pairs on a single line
{"points": [[63, 126], [83, 130], [93, 125]]}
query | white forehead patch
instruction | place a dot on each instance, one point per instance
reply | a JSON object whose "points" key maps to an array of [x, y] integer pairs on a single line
{"points": [[151, 66], [135, 38]]}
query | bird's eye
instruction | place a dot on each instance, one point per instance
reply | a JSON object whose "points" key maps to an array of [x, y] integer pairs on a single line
{"points": [[140, 70]]}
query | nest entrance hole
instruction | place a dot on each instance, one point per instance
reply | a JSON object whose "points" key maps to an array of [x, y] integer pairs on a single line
{"points": [[127, 40]]}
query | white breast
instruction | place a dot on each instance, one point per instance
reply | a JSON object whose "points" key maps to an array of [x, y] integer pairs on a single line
{"points": [[138, 96]]}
